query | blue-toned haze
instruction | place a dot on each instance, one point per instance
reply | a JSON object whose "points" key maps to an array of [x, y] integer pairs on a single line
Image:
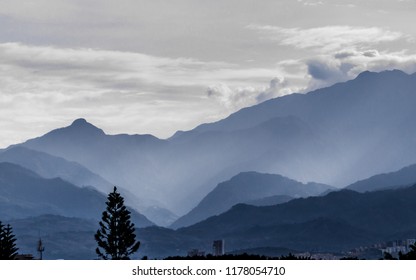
{"points": [[161, 66]]}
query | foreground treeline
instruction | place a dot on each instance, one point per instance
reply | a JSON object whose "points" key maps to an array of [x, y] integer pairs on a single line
{"points": [[401, 256], [243, 256], [411, 255]]}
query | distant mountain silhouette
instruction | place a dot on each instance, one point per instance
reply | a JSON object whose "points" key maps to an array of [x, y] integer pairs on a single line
{"points": [[403, 177], [334, 222], [24, 193], [246, 187]]}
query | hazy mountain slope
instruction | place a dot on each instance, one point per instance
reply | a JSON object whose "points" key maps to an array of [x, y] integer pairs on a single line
{"points": [[24, 193], [336, 135], [403, 177], [269, 200], [118, 157], [155, 170], [49, 166], [245, 187], [284, 144], [128, 161], [367, 122], [337, 100]]}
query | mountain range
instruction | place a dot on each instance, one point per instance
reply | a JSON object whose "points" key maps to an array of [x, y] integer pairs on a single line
{"points": [[335, 135], [214, 181], [338, 221]]}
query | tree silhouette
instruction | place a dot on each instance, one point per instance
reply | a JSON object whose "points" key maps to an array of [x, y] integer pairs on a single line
{"points": [[8, 250], [116, 238], [411, 255]]}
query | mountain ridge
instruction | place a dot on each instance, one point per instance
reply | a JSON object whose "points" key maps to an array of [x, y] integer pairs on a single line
{"points": [[245, 187], [294, 97], [364, 214], [401, 178]]}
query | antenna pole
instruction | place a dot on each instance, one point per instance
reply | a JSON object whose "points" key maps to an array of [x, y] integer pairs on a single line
{"points": [[41, 248]]}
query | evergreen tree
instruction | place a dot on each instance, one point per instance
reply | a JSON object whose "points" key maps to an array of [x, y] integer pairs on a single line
{"points": [[116, 238], [8, 250]]}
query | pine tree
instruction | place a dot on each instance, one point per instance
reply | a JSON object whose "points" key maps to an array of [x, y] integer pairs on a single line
{"points": [[116, 237], [8, 250]]}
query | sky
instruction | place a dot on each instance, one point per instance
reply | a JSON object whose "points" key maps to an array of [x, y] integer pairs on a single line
{"points": [[158, 66]]}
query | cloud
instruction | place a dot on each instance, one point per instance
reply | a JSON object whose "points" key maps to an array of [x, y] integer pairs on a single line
{"points": [[375, 60], [348, 5], [324, 70], [371, 53], [340, 53], [101, 67], [233, 99], [327, 38], [311, 3], [277, 87], [327, 70], [239, 97]]}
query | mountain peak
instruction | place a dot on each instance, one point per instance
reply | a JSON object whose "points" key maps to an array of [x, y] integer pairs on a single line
{"points": [[391, 73], [365, 74], [81, 125], [79, 122]]}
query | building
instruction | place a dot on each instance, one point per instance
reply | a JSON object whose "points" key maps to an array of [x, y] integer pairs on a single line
{"points": [[218, 247]]}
